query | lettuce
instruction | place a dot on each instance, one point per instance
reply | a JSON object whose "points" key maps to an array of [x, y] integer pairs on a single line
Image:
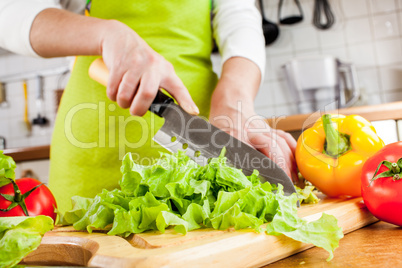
{"points": [[21, 235], [175, 191], [323, 233], [306, 195], [7, 167]]}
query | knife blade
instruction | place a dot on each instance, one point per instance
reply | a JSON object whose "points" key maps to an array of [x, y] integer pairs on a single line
{"points": [[201, 140]]}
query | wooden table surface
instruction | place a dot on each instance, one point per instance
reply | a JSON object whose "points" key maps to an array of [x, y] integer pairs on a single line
{"points": [[376, 245]]}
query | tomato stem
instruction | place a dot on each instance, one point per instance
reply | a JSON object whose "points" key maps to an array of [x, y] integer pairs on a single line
{"points": [[395, 168], [394, 171], [336, 143], [17, 196], [18, 199]]}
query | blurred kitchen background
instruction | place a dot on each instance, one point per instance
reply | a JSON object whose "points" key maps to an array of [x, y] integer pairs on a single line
{"points": [[366, 34]]}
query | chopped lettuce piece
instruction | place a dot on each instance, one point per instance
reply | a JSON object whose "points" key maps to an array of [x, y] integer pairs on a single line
{"points": [[323, 233], [306, 195], [20, 236]]}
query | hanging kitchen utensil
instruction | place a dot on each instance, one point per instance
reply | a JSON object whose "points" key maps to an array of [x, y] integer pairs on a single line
{"points": [[3, 96], [2, 143], [323, 7], [200, 139], [290, 19], [270, 29], [2, 93], [26, 120], [40, 120]]}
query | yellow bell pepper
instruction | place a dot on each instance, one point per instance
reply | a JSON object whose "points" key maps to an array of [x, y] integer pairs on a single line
{"points": [[331, 154]]}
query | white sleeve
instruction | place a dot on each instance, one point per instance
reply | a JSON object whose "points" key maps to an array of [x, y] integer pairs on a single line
{"points": [[16, 18], [237, 30]]}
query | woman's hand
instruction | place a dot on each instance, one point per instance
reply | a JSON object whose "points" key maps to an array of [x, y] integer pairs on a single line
{"points": [[232, 110], [244, 124], [136, 70]]}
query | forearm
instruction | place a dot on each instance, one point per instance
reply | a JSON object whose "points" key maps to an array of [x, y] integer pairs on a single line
{"points": [[136, 71], [56, 33], [239, 81]]}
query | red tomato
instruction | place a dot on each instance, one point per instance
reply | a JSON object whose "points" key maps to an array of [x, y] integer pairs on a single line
{"points": [[383, 196], [40, 202]]}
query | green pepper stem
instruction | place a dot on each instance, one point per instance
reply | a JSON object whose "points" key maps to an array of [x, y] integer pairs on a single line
{"points": [[336, 143]]}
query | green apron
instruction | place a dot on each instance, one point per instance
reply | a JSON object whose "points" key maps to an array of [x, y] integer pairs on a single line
{"points": [[92, 133]]}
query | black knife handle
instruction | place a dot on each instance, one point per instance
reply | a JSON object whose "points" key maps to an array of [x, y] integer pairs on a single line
{"points": [[160, 103]]}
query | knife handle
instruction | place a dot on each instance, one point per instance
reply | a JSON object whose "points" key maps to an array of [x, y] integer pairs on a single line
{"points": [[99, 72]]}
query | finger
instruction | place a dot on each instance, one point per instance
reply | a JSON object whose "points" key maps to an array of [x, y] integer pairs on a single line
{"points": [[127, 89], [176, 88], [272, 150], [288, 146], [147, 90], [291, 143], [115, 76], [288, 138], [291, 160]]}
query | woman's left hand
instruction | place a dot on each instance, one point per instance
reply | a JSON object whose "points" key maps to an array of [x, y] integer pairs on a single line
{"points": [[244, 124], [232, 110]]}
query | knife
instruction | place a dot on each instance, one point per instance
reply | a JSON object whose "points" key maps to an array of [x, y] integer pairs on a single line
{"points": [[200, 139]]}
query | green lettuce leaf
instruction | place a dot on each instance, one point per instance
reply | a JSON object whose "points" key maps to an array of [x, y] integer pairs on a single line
{"points": [[196, 215], [7, 169], [165, 219], [323, 232], [80, 207], [20, 236]]}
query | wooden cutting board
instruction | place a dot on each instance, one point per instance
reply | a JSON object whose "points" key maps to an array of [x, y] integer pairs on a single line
{"points": [[199, 248]]}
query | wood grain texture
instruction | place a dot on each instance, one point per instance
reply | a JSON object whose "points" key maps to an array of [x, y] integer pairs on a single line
{"points": [[199, 248], [377, 245], [29, 153], [372, 113]]}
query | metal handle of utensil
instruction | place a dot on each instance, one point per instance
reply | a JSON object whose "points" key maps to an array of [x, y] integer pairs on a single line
{"points": [[99, 72]]}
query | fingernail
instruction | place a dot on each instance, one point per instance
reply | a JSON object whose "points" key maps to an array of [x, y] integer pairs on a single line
{"points": [[192, 109], [196, 110]]}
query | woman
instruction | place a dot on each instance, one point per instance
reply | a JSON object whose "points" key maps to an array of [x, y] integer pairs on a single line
{"points": [[146, 45]]}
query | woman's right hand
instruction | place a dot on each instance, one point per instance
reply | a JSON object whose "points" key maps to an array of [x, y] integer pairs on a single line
{"points": [[137, 71]]}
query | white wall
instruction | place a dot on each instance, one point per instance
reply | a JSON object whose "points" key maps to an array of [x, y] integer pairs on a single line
{"points": [[13, 70], [367, 33]]}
